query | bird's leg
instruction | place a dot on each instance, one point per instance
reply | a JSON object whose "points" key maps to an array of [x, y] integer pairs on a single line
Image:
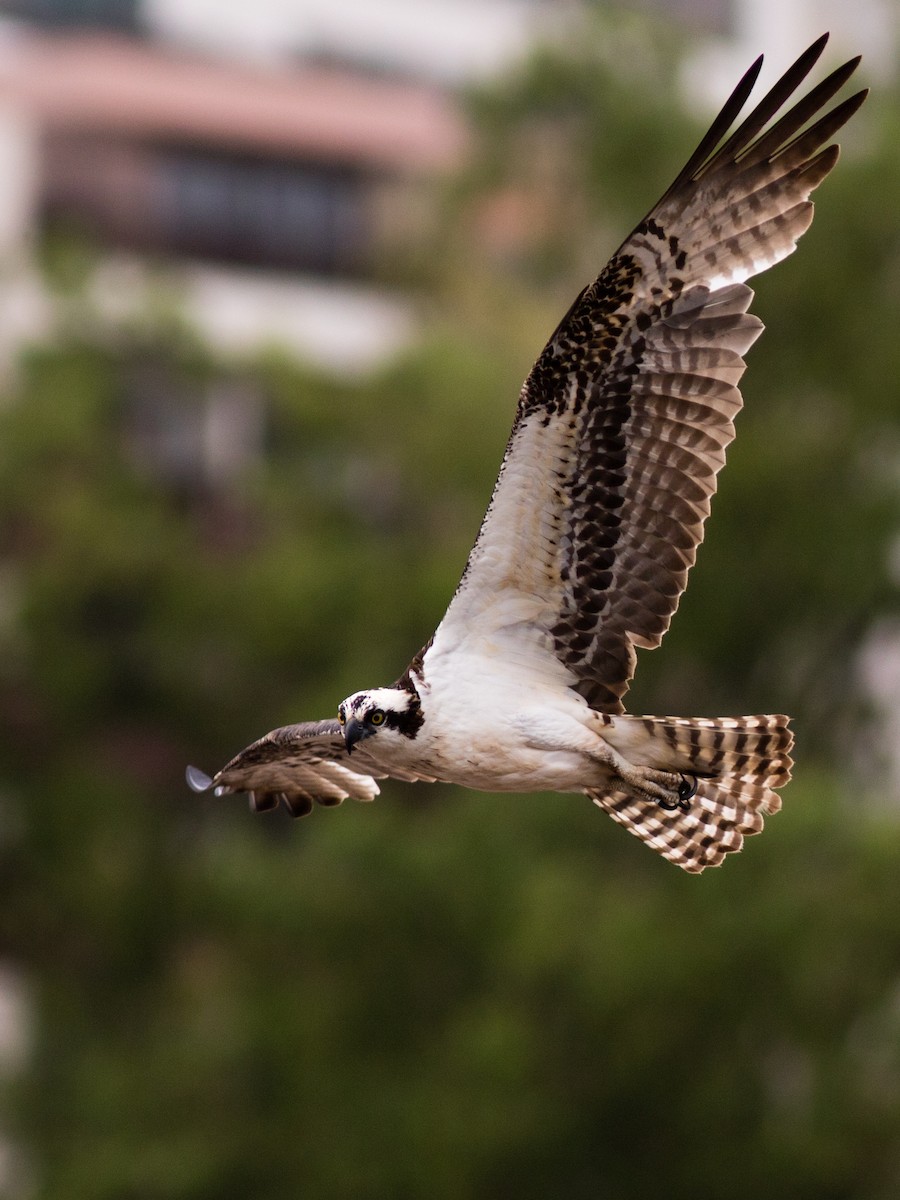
{"points": [[671, 790]]}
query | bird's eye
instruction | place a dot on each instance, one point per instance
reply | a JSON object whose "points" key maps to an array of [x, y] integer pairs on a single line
{"points": [[341, 718], [376, 716]]}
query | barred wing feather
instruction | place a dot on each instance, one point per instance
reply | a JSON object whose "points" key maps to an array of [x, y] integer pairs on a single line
{"points": [[297, 765], [623, 423]]}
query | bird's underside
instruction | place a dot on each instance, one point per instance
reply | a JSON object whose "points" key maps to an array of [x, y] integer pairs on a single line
{"points": [[620, 431]]}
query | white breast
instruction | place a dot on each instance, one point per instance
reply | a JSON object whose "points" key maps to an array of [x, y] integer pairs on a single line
{"points": [[493, 724]]}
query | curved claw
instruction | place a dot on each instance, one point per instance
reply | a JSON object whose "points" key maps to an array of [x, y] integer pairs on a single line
{"points": [[686, 789], [197, 780], [673, 805]]}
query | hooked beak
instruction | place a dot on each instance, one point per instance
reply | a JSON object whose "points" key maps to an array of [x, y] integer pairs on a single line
{"points": [[355, 731]]}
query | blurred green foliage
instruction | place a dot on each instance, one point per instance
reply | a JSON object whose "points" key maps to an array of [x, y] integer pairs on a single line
{"points": [[444, 994]]}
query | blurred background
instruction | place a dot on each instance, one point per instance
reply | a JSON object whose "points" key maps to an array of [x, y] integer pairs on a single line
{"points": [[271, 275]]}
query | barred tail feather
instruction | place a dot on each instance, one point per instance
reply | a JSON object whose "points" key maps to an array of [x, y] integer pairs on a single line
{"points": [[738, 762]]}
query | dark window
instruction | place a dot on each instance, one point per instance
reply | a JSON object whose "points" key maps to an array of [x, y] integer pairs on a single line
{"points": [[259, 211]]}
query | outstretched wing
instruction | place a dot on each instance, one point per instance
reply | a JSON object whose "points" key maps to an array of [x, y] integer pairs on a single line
{"points": [[623, 423], [297, 765]]}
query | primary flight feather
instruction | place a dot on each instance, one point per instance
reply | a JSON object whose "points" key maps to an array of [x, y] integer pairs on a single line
{"points": [[620, 431]]}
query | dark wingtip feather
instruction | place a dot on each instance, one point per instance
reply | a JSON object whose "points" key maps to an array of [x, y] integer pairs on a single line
{"points": [[743, 142], [727, 116], [297, 806], [261, 802]]}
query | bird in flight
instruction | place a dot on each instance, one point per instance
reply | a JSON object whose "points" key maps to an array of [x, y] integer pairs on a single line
{"points": [[620, 432]]}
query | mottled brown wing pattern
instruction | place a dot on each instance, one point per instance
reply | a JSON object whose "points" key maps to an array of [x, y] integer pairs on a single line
{"points": [[297, 765], [649, 437], [624, 420], [653, 411]]}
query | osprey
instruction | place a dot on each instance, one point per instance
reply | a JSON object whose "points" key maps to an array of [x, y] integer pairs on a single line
{"points": [[594, 523]]}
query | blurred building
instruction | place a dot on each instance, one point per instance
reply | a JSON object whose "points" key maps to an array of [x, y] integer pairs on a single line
{"points": [[273, 155], [157, 151], [278, 154], [313, 171]]}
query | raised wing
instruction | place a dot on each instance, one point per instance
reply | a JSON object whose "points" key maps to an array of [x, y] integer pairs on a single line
{"points": [[623, 423], [298, 765]]}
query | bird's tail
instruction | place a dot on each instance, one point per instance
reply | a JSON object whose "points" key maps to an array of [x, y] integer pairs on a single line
{"points": [[738, 763]]}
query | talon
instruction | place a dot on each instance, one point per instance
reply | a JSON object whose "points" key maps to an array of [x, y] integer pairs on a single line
{"points": [[669, 789], [675, 804], [687, 789]]}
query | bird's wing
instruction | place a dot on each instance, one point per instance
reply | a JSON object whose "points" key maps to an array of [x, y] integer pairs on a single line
{"points": [[623, 422], [297, 765]]}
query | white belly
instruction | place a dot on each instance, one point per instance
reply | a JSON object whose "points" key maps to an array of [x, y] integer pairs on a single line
{"points": [[541, 771], [500, 738]]}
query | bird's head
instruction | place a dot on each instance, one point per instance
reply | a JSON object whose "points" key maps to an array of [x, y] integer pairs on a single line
{"points": [[391, 712]]}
